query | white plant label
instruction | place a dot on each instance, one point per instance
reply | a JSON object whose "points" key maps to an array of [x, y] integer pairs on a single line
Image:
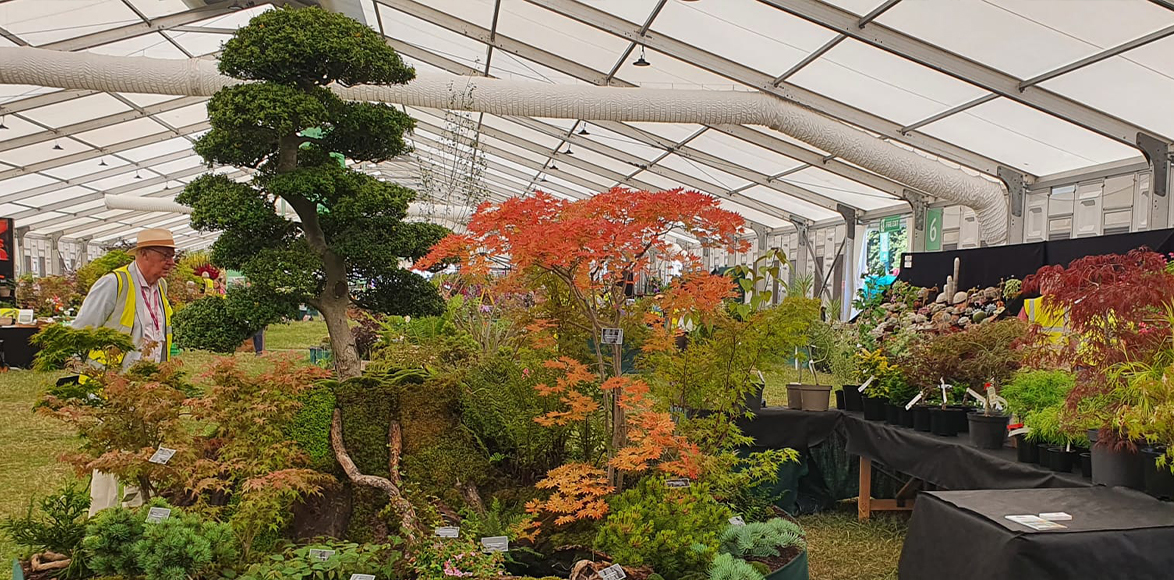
{"points": [[613, 572], [1019, 431], [912, 402], [737, 521], [321, 555], [944, 387], [448, 532], [676, 483], [1035, 522], [611, 336], [162, 456], [157, 514], [362, 577], [1056, 516], [974, 393], [866, 383], [496, 544]]}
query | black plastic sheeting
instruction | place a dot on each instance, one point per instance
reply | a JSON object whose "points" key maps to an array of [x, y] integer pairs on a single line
{"points": [[983, 267], [946, 462], [1114, 533]]}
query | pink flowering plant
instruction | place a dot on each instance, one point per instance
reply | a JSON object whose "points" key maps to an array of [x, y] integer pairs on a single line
{"points": [[455, 558]]}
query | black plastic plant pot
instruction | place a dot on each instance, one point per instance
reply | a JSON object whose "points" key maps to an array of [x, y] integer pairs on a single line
{"points": [[1055, 458], [942, 422], [1026, 451], [1086, 464], [1117, 466], [960, 417], [905, 416], [874, 409], [891, 416], [853, 399], [1159, 482], [840, 400], [921, 420], [988, 432]]}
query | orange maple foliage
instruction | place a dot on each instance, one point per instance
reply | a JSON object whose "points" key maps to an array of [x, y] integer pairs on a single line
{"points": [[652, 437], [578, 406], [578, 492]]}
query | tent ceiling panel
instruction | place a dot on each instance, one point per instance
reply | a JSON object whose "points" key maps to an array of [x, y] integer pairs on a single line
{"points": [[157, 8], [743, 154], [185, 116], [767, 40], [157, 149], [479, 12], [38, 22], [509, 66], [667, 72], [1024, 137], [882, 83], [840, 189], [198, 43], [121, 132], [150, 45], [722, 181], [10, 93], [1089, 21], [84, 169], [42, 152], [1135, 86], [783, 201], [185, 163], [420, 33], [752, 215], [541, 139], [24, 182], [860, 7], [144, 100], [675, 132], [59, 195], [18, 127], [624, 143], [562, 36], [76, 111]]}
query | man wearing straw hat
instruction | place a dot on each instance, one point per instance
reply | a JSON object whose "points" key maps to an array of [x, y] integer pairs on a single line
{"points": [[132, 299]]}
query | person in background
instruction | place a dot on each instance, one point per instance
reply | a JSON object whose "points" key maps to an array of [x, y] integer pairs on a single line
{"points": [[133, 300]]}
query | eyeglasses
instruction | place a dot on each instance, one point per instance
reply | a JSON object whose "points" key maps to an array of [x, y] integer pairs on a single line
{"points": [[164, 255]]}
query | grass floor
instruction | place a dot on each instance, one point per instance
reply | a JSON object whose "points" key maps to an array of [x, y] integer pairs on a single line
{"points": [[840, 547]]}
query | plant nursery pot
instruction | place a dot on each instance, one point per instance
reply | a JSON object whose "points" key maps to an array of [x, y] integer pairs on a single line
{"points": [[1055, 458], [963, 425], [794, 396], [874, 409], [796, 569], [988, 432], [921, 421], [1027, 451], [1117, 467], [816, 397], [853, 399], [891, 416], [942, 422], [906, 416], [1159, 482], [840, 400], [1086, 464], [754, 397]]}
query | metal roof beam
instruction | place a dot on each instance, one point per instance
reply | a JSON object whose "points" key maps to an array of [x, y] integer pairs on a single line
{"points": [[99, 123], [139, 29], [741, 73], [961, 68], [108, 150], [96, 176], [136, 185], [44, 100]]}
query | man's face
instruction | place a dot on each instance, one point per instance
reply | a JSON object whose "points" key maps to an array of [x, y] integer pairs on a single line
{"points": [[155, 263]]}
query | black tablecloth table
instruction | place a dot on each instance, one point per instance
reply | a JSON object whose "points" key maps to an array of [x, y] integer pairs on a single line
{"points": [[964, 535], [17, 350]]}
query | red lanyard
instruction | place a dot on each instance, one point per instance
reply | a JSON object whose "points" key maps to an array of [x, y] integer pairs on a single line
{"points": [[147, 300]]}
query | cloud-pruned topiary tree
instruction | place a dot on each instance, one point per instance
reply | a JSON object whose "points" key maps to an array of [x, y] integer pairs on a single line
{"points": [[349, 239]]}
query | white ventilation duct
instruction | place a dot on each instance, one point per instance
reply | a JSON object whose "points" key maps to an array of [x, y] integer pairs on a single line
{"points": [[428, 212], [77, 70]]}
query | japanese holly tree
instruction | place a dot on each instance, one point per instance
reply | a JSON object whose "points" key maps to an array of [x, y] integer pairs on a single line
{"points": [[349, 237]]}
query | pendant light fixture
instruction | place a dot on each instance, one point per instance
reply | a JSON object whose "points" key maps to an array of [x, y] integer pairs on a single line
{"points": [[57, 146], [102, 162], [583, 131], [568, 151], [641, 61], [2, 125]]}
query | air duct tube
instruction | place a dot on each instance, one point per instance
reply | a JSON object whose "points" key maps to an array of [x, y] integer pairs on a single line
{"points": [[160, 204], [77, 70]]}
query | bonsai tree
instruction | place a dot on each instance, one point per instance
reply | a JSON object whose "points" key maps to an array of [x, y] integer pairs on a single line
{"points": [[289, 127]]}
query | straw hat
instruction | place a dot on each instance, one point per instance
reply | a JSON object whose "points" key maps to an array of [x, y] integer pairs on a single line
{"points": [[154, 238]]}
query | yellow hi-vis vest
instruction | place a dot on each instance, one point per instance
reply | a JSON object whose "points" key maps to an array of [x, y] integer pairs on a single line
{"points": [[123, 317], [1051, 320]]}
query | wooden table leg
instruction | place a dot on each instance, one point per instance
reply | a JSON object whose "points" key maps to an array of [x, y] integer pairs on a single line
{"points": [[864, 501]]}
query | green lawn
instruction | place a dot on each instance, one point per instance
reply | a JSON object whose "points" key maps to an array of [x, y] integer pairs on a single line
{"points": [[842, 548]]}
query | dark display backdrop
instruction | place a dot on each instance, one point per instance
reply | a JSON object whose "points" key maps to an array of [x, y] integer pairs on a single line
{"points": [[983, 267], [7, 250]]}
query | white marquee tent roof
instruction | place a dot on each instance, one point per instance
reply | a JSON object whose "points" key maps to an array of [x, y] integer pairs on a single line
{"points": [[1042, 87]]}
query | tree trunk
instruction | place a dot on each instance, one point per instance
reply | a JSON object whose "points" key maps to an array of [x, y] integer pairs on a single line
{"points": [[342, 341]]}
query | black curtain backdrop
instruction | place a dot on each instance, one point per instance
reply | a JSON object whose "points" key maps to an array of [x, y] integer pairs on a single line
{"points": [[7, 250], [983, 267]]}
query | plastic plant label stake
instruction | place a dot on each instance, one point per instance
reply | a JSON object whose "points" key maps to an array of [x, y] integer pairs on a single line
{"points": [[448, 532], [737, 521], [944, 387], [1019, 431], [974, 393], [495, 544], [677, 482], [912, 402], [866, 383], [157, 514], [362, 577], [321, 555], [613, 572], [162, 456], [611, 336]]}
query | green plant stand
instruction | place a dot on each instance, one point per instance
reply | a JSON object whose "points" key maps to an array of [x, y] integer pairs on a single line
{"points": [[795, 570]]}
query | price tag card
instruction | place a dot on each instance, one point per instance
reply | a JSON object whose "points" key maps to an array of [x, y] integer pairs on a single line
{"points": [[1035, 522], [678, 482], [737, 521], [362, 577], [613, 572], [612, 336], [162, 456], [1056, 516], [448, 532], [321, 555], [910, 404], [157, 514], [496, 544], [866, 383]]}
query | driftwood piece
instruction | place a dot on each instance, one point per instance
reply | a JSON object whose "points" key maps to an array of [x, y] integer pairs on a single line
{"points": [[471, 496], [395, 440], [48, 561], [408, 520]]}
